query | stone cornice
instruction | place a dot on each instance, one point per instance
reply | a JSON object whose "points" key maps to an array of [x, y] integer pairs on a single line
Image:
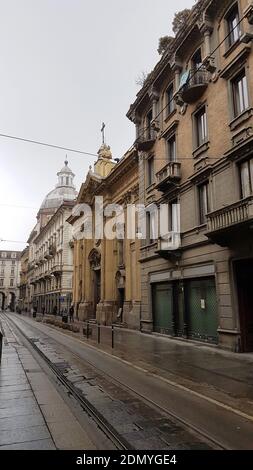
{"points": [[197, 17], [122, 168]]}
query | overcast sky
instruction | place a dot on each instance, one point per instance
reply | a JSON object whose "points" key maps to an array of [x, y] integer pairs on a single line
{"points": [[66, 66]]}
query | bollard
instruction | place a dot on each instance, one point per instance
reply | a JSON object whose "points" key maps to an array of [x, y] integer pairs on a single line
{"points": [[112, 336], [87, 330], [1, 345], [98, 326]]}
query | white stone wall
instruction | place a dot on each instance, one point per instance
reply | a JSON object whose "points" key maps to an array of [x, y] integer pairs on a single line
{"points": [[9, 276]]}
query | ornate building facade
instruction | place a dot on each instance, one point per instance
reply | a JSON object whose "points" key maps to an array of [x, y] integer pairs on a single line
{"points": [[9, 279], [194, 136], [23, 303], [106, 272], [50, 258]]}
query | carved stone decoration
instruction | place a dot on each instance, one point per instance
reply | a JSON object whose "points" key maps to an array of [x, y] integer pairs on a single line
{"points": [[95, 259], [153, 94], [183, 109], [155, 125], [127, 198]]}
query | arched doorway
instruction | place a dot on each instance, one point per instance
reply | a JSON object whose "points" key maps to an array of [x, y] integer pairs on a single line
{"points": [[2, 300], [12, 302], [95, 264]]}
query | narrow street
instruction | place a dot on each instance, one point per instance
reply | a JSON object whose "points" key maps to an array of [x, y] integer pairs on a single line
{"points": [[157, 395]]}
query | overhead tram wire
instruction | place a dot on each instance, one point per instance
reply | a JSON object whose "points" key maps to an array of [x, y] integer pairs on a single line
{"points": [[45, 144], [210, 56]]}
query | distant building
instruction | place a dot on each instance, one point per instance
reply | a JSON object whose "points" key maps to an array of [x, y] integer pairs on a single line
{"points": [[9, 279], [50, 258], [23, 284]]}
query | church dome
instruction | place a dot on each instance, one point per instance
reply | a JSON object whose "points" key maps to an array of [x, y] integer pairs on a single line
{"points": [[64, 190]]}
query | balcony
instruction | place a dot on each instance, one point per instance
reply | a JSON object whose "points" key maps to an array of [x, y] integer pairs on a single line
{"points": [[169, 247], [195, 82], [145, 140], [170, 174], [224, 224], [57, 269]]}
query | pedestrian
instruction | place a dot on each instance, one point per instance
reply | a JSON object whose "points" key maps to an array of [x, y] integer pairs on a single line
{"points": [[65, 316], [71, 314], [55, 310]]}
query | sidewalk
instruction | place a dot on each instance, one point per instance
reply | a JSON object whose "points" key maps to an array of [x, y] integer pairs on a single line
{"points": [[32, 412]]}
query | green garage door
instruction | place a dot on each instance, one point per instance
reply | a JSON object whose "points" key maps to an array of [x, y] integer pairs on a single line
{"points": [[201, 306], [163, 308]]}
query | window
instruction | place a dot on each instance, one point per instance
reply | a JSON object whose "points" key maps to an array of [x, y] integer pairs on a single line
{"points": [[246, 174], [149, 128], [233, 26], [1, 282], [121, 252], [201, 127], [171, 146], [4, 255], [174, 217], [152, 234], [13, 262], [13, 255], [203, 203], [150, 170], [170, 100], [240, 94], [12, 272], [197, 60], [11, 282]]}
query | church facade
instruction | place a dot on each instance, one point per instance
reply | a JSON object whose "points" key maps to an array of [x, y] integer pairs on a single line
{"points": [[106, 283]]}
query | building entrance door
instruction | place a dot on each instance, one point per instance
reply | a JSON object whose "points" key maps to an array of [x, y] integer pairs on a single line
{"points": [[201, 310], [96, 281], [244, 278], [162, 295]]}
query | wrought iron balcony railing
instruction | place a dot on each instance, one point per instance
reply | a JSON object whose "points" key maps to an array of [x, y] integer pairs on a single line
{"points": [[194, 84], [146, 139]]}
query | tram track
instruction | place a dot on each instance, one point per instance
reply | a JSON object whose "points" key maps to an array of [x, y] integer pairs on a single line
{"points": [[108, 430], [102, 423]]}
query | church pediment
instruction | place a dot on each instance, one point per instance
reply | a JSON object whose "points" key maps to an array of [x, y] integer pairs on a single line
{"points": [[89, 188]]}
